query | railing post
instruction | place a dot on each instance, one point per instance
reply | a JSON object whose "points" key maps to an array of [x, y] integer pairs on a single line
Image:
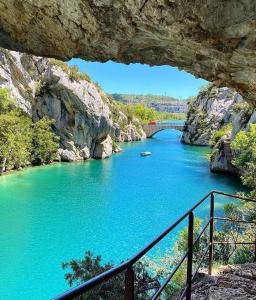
{"points": [[190, 255], [211, 235], [129, 284]]}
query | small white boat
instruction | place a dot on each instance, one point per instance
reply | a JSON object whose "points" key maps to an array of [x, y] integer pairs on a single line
{"points": [[146, 153]]}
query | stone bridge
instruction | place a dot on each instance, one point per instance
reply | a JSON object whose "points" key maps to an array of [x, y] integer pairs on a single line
{"points": [[150, 130]]}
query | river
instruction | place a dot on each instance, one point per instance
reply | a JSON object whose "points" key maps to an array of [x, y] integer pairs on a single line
{"points": [[113, 207]]}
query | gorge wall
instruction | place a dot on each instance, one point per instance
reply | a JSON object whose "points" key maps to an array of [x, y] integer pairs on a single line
{"points": [[211, 110], [214, 118], [86, 120], [212, 39]]}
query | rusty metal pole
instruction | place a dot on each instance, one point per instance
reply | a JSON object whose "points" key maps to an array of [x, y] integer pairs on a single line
{"points": [[190, 255], [129, 284], [211, 235]]}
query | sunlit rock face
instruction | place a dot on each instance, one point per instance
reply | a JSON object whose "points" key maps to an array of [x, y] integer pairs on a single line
{"points": [[211, 110], [82, 119], [213, 39]]}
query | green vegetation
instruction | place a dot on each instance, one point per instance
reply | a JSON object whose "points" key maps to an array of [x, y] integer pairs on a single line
{"points": [[90, 266], [15, 140], [132, 98], [245, 108], [205, 88], [73, 72], [218, 134], [21, 141], [44, 141], [145, 114], [244, 145]]}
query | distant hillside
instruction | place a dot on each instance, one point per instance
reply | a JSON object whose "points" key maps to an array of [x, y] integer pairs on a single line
{"points": [[159, 103]]}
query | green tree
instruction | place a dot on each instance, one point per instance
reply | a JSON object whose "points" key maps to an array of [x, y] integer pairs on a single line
{"points": [[90, 266], [244, 145], [15, 140], [44, 142], [6, 102]]}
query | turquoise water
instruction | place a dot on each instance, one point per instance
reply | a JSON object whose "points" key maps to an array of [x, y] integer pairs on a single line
{"points": [[113, 207]]}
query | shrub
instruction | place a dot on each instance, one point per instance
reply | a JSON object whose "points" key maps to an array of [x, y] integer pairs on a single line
{"points": [[245, 146], [75, 75], [90, 266], [44, 142], [15, 140], [218, 134], [73, 72], [6, 102]]}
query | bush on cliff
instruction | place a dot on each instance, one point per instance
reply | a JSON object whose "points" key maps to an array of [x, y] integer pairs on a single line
{"points": [[21, 141], [218, 134], [15, 140], [44, 141], [244, 145]]}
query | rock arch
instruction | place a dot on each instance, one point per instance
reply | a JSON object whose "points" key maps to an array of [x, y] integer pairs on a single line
{"points": [[212, 39]]}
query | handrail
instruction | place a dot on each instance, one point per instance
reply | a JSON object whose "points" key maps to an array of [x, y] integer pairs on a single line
{"points": [[127, 266]]}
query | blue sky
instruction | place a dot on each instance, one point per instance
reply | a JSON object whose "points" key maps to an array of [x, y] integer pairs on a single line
{"points": [[141, 79]]}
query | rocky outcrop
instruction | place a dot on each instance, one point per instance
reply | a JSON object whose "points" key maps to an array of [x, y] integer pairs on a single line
{"points": [[80, 109], [211, 109], [125, 128], [230, 283], [222, 155], [218, 111], [213, 39]]}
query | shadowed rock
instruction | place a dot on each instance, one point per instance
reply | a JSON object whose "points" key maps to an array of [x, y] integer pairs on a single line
{"points": [[213, 39]]}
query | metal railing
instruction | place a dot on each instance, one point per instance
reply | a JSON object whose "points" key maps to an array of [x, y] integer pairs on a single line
{"points": [[128, 265]]}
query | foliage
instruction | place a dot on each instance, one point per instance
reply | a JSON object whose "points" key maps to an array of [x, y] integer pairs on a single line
{"points": [[218, 134], [145, 114], [72, 71], [75, 75], [41, 87], [6, 102], [44, 141], [205, 88], [90, 266], [245, 146], [243, 106], [144, 99], [21, 140], [15, 139]]}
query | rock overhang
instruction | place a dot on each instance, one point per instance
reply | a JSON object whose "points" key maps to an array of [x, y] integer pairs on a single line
{"points": [[212, 39]]}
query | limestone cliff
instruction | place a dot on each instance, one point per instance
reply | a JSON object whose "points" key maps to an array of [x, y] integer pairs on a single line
{"points": [[81, 110], [222, 155], [211, 109], [214, 118]]}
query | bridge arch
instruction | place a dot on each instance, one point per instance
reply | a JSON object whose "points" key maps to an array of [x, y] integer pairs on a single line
{"points": [[151, 130]]}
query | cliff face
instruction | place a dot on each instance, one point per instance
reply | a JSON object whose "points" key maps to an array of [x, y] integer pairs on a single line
{"points": [[81, 110], [222, 154], [221, 112], [212, 39], [209, 112]]}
